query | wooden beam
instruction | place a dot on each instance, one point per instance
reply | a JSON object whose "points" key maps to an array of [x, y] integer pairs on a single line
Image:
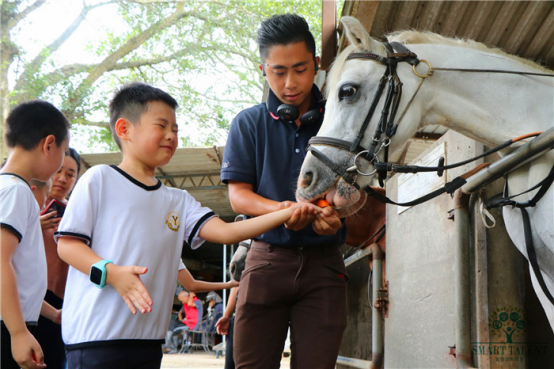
{"points": [[328, 33]]}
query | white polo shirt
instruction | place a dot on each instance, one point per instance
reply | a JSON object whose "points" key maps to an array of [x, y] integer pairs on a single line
{"points": [[128, 223], [19, 213]]}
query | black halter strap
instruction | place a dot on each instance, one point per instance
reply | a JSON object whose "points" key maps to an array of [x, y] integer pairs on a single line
{"points": [[506, 200], [386, 124]]}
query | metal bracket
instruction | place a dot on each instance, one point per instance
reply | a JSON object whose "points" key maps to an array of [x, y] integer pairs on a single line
{"points": [[382, 302]]}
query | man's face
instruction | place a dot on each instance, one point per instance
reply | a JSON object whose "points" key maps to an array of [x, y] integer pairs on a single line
{"points": [[290, 72]]}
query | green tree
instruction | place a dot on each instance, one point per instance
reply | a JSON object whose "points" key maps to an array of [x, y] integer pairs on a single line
{"points": [[201, 51]]}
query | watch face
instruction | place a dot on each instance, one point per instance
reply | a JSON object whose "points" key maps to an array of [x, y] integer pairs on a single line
{"points": [[96, 275]]}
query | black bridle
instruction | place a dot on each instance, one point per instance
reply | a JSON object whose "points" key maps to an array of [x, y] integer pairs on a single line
{"points": [[386, 124]]}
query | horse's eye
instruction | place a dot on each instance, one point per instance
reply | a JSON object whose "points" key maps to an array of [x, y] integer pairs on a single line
{"points": [[347, 92]]}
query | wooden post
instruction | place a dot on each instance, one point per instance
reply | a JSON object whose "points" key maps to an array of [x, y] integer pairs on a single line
{"points": [[328, 33]]}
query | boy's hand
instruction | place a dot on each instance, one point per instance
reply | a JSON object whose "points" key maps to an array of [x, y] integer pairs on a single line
{"points": [[26, 351], [232, 283], [57, 318], [48, 221], [327, 222], [126, 280], [222, 325], [303, 214]]}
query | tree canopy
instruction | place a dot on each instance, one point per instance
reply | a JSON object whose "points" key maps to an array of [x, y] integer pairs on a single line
{"points": [[203, 52]]}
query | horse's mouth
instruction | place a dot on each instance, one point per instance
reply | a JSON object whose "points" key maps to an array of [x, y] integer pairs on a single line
{"points": [[343, 197]]}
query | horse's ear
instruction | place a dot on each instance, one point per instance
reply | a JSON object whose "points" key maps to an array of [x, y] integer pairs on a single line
{"points": [[359, 37]]}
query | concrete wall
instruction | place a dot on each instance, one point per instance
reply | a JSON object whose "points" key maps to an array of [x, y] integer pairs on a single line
{"points": [[420, 328]]}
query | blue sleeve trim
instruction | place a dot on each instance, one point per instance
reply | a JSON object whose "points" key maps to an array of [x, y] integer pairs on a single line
{"points": [[198, 225], [85, 238]]}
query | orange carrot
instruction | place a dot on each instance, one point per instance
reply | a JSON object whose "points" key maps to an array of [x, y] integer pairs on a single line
{"points": [[322, 203]]}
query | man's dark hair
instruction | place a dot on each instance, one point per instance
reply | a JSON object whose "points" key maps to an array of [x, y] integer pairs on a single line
{"points": [[31, 121], [131, 101], [284, 29]]}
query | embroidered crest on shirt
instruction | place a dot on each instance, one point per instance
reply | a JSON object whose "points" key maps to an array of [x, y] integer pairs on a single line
{"points": [[173, 220]]}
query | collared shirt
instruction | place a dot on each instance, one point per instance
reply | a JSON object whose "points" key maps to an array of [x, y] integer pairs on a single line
{"points": [[267, 153]]}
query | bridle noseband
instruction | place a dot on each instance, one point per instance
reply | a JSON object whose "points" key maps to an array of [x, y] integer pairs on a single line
{"points": [[386, 124]]}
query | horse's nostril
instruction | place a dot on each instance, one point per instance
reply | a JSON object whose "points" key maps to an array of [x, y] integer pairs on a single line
{"points": [[308, 178], [232, 268]]}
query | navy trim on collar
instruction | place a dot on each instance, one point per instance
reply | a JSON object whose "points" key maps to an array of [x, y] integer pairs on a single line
{"points": [[18, 176], [138, 183]]}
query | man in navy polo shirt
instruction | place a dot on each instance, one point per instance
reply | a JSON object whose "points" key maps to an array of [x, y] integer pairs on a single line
{"points": [[295, 275]]}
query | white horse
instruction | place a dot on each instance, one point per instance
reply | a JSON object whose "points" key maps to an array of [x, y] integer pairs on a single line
{"points": [[491, 108]]}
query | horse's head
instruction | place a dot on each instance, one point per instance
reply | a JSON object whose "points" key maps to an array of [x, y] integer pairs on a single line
{"points": [[337, 157]]}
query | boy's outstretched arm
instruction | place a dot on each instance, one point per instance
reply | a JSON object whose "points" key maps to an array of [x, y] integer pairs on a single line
{"points": [[125, 279], [193, 285], [26, 350], [217, 231]]}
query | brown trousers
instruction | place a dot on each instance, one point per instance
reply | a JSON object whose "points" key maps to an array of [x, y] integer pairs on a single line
{"points": [[304, 288]]}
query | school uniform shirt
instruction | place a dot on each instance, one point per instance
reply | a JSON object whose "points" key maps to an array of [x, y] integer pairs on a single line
{"points": [[129, 223], [19, 213]]}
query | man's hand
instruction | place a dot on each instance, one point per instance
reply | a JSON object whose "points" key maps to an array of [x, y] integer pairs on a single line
{"points": [[327, 222], [126, 280], [26, 351]]}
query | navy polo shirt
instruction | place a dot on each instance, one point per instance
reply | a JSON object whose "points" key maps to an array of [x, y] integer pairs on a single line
{"points": [[267, 153]]}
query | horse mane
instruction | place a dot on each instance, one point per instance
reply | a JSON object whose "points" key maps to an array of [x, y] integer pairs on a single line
{"points": [[425, 37]]}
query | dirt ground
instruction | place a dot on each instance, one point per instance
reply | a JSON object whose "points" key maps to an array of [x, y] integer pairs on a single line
{"points": [[201, 360]]}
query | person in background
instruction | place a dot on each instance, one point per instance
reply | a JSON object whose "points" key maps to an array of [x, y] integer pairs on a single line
{"points": [[48, 333], [37, 135], [215, 307], [40, 191], [294, 274], [194, 286]]}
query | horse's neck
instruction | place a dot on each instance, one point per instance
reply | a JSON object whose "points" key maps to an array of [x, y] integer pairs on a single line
{"points": [[488, 107]]}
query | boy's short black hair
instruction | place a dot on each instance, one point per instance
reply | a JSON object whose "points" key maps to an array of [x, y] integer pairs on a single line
{"points": [[33, 120], [284, 29], [131, 101]]}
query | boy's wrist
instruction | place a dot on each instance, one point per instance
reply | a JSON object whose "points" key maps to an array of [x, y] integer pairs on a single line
{"points": [[111, 272]]}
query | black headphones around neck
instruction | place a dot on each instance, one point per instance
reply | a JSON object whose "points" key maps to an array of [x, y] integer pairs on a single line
{"points": [[290, 113]]}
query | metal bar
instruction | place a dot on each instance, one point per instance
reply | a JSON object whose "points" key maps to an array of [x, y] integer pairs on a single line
{"points": [[462, 297], [519, 156], [357, 256], [377, 323], [354, 363]]}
